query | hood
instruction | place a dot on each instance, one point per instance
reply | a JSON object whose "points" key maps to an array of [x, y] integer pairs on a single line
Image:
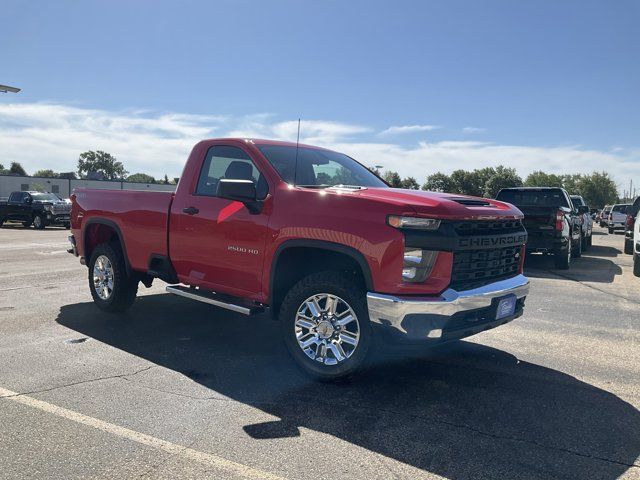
{"points": [[442, 205]]}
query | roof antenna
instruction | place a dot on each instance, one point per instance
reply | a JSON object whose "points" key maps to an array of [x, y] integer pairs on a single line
{"points": [[295, 172]]}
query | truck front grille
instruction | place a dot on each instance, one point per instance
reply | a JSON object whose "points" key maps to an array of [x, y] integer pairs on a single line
{"points": [[475, 268], [487, 227]]}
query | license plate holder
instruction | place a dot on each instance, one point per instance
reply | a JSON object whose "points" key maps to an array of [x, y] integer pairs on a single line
{"points": [[506, 307]]}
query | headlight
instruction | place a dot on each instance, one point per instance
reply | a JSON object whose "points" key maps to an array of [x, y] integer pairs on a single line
{"points": [[416, 223], [417, 264]]}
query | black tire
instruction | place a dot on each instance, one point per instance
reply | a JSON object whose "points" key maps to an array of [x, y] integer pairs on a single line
{"points": [[576, 251], [590, 241], [1, 222], [562, 257], [610, 231], [636, 265], [628, 246], [39, 221], [125, 287], [585, 242], [67, 226], [354, 295]]}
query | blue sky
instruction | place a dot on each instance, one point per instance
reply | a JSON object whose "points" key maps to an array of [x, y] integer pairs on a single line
{"points": [[540, 76]]}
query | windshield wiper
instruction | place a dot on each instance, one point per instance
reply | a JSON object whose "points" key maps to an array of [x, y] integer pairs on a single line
{"points": [[314, 186]]}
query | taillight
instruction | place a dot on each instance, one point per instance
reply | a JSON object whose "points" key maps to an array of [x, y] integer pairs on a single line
{"points": [[559, 220], [630, 222]]}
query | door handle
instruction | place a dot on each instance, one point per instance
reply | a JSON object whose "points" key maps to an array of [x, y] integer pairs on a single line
{"points": [[190, 210]]}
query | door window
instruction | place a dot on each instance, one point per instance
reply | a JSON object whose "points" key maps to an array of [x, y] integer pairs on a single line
{"points": [[229, 163]]}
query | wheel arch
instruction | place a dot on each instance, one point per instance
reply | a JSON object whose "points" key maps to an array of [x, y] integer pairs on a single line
{"points": [[99, 230], [295, 259]]}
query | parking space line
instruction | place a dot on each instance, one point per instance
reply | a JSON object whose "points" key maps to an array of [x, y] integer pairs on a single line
{"points": [[141, 438]]}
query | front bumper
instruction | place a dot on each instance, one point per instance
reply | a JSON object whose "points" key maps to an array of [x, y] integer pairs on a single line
{"points": [[448, 316]]}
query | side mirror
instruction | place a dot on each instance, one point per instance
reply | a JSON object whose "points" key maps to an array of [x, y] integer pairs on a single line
{"points": [[582, 209], [241, 191], [28, 200]]}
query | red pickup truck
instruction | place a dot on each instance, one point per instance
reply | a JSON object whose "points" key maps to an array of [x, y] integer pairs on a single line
{"points": [[315, 238]]}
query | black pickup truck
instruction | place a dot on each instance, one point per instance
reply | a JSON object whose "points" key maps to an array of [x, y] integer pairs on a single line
{"points": [[35, 208], [553, 222]]}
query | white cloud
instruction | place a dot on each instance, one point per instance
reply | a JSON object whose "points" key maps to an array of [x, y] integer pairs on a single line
{"points": [[473, 130], [52, 136], [401, 129]]}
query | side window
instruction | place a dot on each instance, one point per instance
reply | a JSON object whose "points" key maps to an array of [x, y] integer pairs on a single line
{"points": [[228, 162]]}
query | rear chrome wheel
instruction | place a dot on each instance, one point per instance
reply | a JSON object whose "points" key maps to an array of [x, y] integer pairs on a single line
{"points": [[103, 277], [327, 329]]}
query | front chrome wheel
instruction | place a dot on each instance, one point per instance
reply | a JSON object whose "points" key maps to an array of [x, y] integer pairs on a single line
{"points": [[327, 329], [103, 277]]}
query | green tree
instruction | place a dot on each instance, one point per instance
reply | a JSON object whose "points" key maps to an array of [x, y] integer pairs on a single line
{"points": [[598, 189], [542, 179], [101, 162], [16, 169], [410, 183], [141, 178], [465, 182], [68, 175], [48, 173], [3, 171], [438, 182], [503, 178], [393, 179], [571, 183], [166, 179]]}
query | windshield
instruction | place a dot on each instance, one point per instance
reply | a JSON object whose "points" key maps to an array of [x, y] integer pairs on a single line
{"points": [[577, 201], [45, 197], [534, 198], [318, 168]]}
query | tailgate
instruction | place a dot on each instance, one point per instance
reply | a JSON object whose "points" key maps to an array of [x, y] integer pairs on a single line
{"points": [[539, 218]]}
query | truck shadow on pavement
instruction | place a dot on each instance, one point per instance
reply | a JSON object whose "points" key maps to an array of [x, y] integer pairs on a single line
{"points": [[461, 411], [591, 267]]}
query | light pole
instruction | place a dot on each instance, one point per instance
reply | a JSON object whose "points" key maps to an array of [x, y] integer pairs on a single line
{"points": [[8, 89]]}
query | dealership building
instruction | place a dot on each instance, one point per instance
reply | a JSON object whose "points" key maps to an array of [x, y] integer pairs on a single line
{"points": [[64, 187]]}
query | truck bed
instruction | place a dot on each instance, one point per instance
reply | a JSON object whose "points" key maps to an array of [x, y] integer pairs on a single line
{"points": [[141, 217]]}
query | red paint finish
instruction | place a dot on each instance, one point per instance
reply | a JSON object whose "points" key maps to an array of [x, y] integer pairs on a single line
{"points": [[226, 248]]}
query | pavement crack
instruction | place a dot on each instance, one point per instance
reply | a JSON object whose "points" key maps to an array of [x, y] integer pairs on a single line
{"points": [[90, 380]]}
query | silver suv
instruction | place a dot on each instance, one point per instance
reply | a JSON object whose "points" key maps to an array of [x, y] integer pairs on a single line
{"points": [[618, 217]]}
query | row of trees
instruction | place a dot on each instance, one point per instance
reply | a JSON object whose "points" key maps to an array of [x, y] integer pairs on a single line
{"points": [[598, 189], [93, 165]]}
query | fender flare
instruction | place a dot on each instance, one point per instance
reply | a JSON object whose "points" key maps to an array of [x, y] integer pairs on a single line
{"points": [[320, 245], [111, 224]]}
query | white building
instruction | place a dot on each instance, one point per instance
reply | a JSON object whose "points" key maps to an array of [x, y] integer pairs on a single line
{"points": [[64, 187]]}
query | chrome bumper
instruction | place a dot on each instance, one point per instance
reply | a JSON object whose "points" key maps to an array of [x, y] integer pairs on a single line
{"points": [[433, 313], [74, 248]]}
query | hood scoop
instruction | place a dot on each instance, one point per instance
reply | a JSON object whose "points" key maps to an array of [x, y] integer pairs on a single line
{"points": [[471, 202]]}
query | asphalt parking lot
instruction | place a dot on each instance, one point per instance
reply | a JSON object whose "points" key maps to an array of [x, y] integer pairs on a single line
{"points": [[176, 388]]}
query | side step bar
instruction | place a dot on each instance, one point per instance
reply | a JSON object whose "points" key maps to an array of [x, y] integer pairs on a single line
{"points": [[222, 301]]}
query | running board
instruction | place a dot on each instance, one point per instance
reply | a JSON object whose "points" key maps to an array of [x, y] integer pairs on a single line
{"points": [[222, 301]]}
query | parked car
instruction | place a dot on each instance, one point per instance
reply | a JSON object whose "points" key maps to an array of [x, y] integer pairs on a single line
{"points": [[618, 217], [632, 213], [35, 208], [587, 221], [317, 239], [553, 223], [604, 215]]}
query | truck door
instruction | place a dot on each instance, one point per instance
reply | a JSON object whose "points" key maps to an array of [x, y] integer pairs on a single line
{"points": [[17, 205], [214, 242]]}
